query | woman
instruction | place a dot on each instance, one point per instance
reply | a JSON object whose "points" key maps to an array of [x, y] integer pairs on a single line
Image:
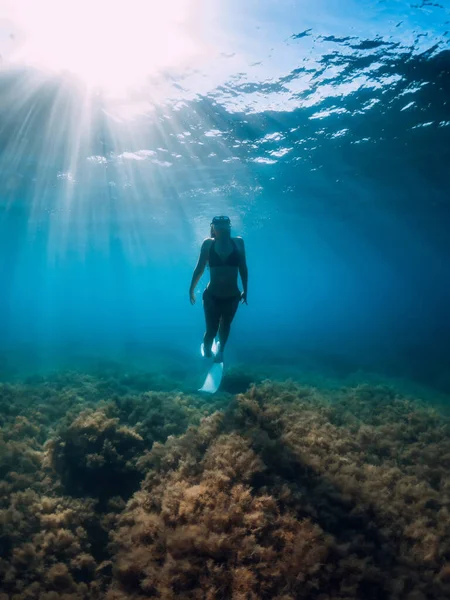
{"points": [[226, 258]]}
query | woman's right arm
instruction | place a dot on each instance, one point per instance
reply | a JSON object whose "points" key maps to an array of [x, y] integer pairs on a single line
{"points": [[200, 267]]}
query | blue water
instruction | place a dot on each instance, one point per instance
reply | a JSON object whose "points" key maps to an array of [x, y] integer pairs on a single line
{"points": [[321, 129]]}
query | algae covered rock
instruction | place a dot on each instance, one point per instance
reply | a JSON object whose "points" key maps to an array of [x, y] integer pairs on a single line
{"points": [[96, 456]]}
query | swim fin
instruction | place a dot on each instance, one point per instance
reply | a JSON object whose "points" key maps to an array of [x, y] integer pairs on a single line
{"points": [[213, 379], [215, 373], [214, 348]]}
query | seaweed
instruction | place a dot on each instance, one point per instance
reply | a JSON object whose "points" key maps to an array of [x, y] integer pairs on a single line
{"points": [[280, 492]]}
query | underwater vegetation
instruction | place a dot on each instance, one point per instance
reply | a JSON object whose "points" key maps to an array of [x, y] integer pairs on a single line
{"points": [[281, 492]]}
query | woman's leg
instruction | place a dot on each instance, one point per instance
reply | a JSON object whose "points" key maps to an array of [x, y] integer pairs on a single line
{"points": [[212, 319], [229, 308]]}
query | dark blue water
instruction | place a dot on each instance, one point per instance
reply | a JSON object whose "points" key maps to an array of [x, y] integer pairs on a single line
{"points": [[321, 129]]}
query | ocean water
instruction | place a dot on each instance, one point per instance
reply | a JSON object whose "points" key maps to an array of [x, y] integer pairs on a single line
{"points": [[323, 131]]}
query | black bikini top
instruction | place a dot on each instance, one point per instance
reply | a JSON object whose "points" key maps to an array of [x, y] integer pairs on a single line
{"points": [[232, 260]]}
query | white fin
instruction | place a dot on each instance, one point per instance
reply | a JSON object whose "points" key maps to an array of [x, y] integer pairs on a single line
{"points": [[214, 348], [213, 379]]}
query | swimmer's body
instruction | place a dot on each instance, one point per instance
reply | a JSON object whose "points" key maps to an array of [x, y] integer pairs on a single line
{"points": [[226, 258]]}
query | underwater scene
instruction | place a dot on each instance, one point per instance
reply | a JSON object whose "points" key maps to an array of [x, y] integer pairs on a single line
{"points": [[224, 300]]}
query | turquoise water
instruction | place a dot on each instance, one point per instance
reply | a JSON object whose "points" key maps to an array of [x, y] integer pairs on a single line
{"points": [[321, 131]]}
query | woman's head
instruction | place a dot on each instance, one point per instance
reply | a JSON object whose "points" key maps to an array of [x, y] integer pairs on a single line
{"points": [[220, 226]]}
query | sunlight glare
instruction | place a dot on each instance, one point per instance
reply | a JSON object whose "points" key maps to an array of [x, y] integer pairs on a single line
{"points": [[113, 45]]}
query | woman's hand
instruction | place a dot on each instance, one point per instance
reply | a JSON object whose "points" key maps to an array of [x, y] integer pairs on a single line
{"points": [[192, 296], [244, 298]]}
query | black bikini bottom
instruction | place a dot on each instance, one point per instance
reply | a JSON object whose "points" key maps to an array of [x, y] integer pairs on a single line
{"points": [[217, 307]]}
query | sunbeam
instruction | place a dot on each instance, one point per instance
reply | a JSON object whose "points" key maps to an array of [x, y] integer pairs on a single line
{"points": [[114, 46]]}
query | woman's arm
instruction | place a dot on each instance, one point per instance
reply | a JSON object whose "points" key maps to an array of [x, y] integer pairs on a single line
{"points": [[243, 271], [200, 267]]}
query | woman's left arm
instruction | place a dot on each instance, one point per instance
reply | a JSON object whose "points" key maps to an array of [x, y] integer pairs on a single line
{"points": [[243, 270]]}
